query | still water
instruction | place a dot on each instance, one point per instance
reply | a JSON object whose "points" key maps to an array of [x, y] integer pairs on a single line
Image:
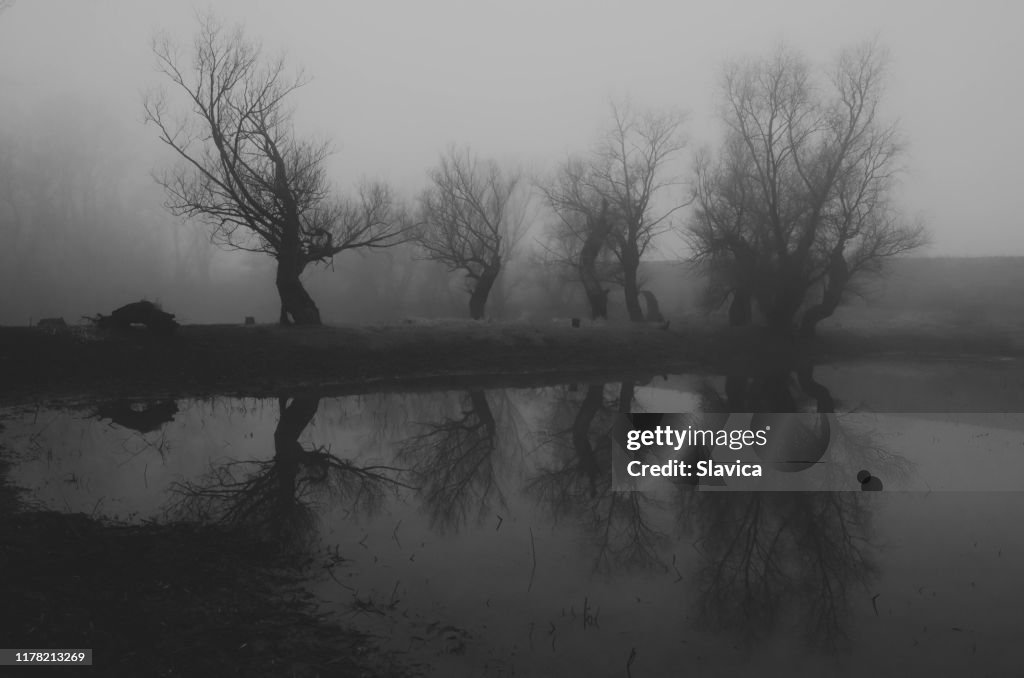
{"points": [[476, 533]]}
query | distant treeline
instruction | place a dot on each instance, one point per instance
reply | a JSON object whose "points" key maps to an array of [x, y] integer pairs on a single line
{"points": [[392, 286], [950, 290]]}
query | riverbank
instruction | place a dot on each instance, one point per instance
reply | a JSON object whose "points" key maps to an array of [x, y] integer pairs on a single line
{"points": [[263, 360]]}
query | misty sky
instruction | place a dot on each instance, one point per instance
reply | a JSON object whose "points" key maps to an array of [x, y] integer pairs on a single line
{"points": [[530, 81]]}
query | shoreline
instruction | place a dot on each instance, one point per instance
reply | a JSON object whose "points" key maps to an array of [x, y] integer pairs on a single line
{"points": [[267, 360]]}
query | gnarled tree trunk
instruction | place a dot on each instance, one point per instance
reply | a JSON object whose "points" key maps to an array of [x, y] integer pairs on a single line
{"points": [[482, 412], [832, 296], [786, 300], [296, 305], [597, 236], [482, 289], [745, 277], [740, 310], [822, 396], [589, 408], [630, 286]]}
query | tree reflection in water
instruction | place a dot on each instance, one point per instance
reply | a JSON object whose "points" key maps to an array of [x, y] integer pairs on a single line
{"points": [[577, 483], [276, 498], [766, 559], [776, 559], [457, 462]]}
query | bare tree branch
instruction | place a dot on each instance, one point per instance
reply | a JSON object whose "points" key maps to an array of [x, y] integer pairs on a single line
{"points": [[622, 182], [799, 200], [243, 170], [473, 217]]}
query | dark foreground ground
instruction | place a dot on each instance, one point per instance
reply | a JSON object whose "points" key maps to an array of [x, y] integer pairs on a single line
{"points": [[165, 600], [262, 360]]}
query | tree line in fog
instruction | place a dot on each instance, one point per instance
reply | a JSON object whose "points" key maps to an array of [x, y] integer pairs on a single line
{"points": [[785, 218]]}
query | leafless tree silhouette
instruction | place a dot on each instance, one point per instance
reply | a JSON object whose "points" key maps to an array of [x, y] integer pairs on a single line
{"points": [[798, 201], [576, 246], [473, 216], [244, 170], [619, 190]]}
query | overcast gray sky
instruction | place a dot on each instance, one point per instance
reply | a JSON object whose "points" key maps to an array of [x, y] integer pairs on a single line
{"points": [[530, 80]]}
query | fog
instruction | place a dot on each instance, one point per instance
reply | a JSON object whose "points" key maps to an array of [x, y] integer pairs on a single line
{"points": [[84, 230]]}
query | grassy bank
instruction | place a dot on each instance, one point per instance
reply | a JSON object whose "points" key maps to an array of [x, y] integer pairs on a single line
{"points": [[263, 360]]}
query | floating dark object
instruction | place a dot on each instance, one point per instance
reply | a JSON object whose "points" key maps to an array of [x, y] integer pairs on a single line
{"points": [[868, 482], [249, 320], [141, 417], [144, 313], [575, 322]]}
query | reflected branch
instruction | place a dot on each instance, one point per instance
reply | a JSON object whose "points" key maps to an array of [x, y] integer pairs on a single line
{"points": [[777, 558], [577, 482], [772, 557], [277, 498], [454, 463]]}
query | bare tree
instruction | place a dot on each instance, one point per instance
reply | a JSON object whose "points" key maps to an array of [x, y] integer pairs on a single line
{"points": [[244, 170], [618, 188], [577, 244], [799, 200], [471, 221]]}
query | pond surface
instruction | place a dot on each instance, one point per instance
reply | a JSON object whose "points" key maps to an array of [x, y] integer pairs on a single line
{"points": [[476, 533]]}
